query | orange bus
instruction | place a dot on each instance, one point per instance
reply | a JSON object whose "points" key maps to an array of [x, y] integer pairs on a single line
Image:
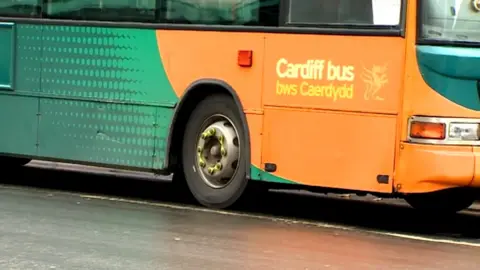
{"points": [[358, 96]]}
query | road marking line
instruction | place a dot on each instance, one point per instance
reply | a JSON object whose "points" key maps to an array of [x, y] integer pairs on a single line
{"points": [[212, 211], [284, 220], [429, 239]]}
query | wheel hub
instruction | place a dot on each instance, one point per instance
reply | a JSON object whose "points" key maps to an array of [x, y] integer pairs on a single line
{"points": [[218, 152], [215, 150]]}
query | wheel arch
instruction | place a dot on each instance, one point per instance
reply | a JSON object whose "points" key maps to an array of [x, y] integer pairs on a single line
{"points": [[195, 92]]}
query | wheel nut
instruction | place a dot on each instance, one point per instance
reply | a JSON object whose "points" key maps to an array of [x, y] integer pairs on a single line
{"points": [[209, 133]]}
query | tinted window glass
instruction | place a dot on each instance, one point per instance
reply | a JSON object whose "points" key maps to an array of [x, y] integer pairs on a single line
{"points": [[222, 12], [344, 12], [20, 8], [450, 20], [102, 10]]}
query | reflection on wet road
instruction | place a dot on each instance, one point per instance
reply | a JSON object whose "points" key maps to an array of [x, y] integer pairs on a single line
{"points": [[91, 229]]}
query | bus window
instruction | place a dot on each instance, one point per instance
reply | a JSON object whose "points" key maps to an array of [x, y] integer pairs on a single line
{"points": [[344, 12], [102, 10], [450, 20], [223, 12], [20, 8]]}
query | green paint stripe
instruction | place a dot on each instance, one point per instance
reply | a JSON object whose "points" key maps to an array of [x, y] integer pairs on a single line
{"points": [[261, 175], [452, 72]]}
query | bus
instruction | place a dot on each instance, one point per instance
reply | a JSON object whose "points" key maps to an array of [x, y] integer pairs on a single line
{"points": [[374, 97]]}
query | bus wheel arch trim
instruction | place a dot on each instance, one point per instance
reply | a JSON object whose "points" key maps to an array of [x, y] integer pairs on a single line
{"points": [[195, 89]]}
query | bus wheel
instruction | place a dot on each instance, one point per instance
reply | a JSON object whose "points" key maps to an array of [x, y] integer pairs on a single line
{"points": [[442, 202], [213, 152]]}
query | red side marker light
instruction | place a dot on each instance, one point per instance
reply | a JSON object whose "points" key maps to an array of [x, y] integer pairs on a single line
{"points": [[245, 58]]}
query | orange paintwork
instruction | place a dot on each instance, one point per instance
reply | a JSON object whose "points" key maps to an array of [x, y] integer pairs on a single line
{"points": [[320, 141], [423, 168], [255, 121], [340, 125], [339, 56], [340, 150], [213, 55], [476, 175]]}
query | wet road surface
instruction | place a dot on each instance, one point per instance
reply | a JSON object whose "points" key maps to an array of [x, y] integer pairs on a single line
{"points": [[67, 220]]}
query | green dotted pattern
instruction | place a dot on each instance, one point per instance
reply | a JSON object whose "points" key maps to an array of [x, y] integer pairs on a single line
{"points": [[103, 63], [107, 133], [103, 94], [28, 58]]}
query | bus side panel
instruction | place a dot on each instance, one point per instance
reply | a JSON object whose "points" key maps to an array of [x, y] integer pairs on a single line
{"points": [[330, 149], [341, 73], [255, 123], [28, 60], [162, 127], [18, 120], [104, 133], [331, 104], [19, 70], [104, 95]]}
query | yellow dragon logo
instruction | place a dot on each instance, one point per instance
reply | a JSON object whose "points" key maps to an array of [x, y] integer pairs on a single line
{"points": [[374, 78]]}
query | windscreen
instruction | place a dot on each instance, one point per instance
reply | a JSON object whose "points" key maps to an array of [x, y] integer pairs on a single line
{"points": [[450, 20]]}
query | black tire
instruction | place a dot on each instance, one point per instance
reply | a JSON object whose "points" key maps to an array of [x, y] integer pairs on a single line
{"points": [[442, 202], [218, 198]]}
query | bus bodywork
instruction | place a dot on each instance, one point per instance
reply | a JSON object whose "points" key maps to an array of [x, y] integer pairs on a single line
{"points": [[356, 99]]}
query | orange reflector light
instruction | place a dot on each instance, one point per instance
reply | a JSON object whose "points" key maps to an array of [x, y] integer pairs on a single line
{"points": [[245, 58], [425, 130]]}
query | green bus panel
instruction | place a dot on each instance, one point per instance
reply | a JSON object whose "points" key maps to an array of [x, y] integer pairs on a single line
{"points": [[163, 123], [96, 132], [18, 118], [111, 64], [101, 94], [28, 58]]}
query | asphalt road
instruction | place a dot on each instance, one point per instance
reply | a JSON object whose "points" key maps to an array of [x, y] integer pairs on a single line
{"points": [[70, 220]]}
